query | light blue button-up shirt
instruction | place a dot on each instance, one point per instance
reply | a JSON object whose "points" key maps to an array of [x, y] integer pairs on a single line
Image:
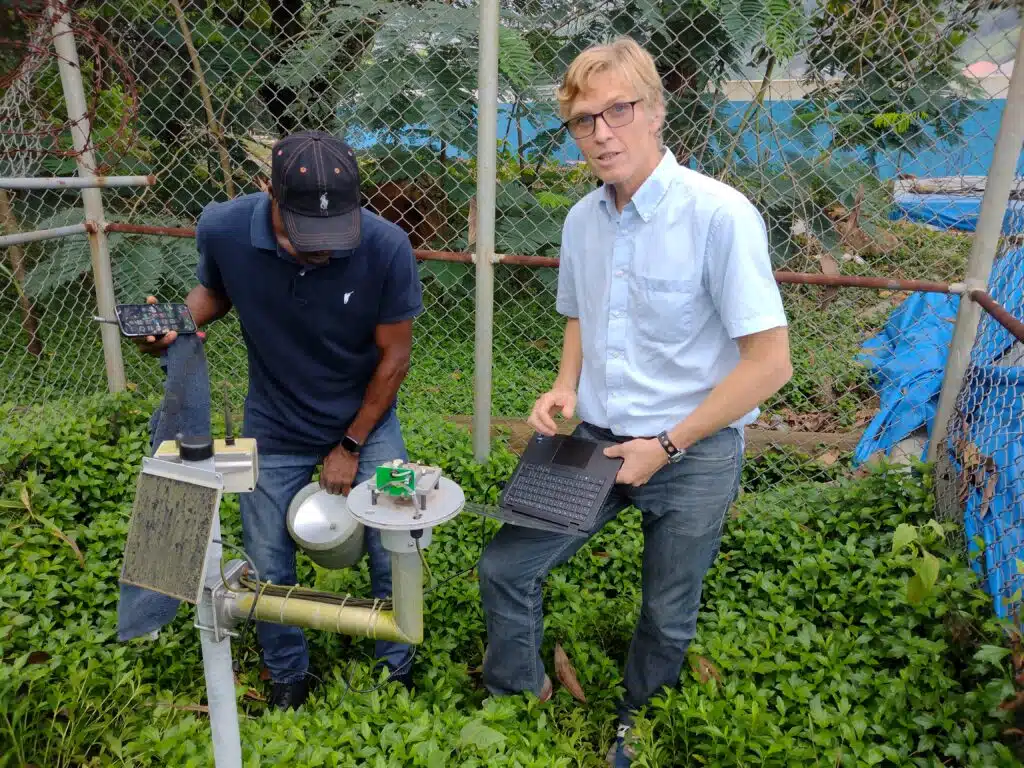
{"points": [[662, 290]]}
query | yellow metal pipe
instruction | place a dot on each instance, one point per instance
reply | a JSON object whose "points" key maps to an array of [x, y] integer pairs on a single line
{"points": [[403, 624]]}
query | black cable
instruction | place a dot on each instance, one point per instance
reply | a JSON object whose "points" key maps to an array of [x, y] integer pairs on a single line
{"points": [[483, 546]]}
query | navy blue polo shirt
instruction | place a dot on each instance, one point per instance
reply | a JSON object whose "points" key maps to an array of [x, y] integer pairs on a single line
{"points": [[309, 330]]}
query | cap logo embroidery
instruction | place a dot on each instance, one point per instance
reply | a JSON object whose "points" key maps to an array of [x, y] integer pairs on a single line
{"points": [[323, 202]]}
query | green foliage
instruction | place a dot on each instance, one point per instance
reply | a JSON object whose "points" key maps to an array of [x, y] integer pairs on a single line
{"points": [[806, 190], [899, 68], [533, 197], [776, 466], [777, 25], [141, 264], [808, 651], [415, 67], [926, 565]]}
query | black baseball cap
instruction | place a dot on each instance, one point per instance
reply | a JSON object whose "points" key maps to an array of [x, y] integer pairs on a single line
{"points": [[315, 180]]}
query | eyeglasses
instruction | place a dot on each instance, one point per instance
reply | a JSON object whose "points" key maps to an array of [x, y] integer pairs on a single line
{"points": [[617, 115]]}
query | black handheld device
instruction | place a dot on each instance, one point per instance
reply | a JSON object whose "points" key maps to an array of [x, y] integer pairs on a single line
{"points": [[141, 320]]}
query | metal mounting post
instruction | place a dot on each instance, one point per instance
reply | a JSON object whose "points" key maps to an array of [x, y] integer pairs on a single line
{"points": [[486, 192], [92, 199], [983, 250]]}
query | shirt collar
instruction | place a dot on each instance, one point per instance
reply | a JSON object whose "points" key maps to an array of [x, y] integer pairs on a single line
{"points": [[647, 199], [261, 231]]}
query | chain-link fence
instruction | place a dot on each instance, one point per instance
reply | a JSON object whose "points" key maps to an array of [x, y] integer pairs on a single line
{"points": [[979, 468], [862, 131]]}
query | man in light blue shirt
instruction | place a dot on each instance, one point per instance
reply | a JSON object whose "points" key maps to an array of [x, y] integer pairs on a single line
{"points": [[675, 335]]}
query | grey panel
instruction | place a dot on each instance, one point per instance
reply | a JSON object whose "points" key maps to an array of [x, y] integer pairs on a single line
{"points": [[169, 535]]}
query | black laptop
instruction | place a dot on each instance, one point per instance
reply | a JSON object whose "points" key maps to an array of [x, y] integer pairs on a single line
{"points": [[560, 484]]}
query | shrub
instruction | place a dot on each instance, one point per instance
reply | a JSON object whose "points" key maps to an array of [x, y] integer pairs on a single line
{"points": [[808, 652]]}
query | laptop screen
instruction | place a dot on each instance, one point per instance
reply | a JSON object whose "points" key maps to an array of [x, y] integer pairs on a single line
{"points": [[573, 453]]}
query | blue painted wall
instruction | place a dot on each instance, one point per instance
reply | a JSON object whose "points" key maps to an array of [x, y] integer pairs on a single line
{"points": [[971, 156]]}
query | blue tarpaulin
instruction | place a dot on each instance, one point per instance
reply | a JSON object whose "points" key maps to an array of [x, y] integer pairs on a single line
{"points": [[994, 402], [954, 212], [907, 359]]}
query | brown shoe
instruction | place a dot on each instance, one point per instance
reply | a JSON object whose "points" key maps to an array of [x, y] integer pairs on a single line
{"points": [[547, 689]]}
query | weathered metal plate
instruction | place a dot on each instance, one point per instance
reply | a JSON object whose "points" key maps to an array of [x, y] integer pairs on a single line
{"points": [[169, 534]]}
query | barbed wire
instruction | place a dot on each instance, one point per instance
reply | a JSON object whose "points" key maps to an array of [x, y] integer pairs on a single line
{"points": [[98, 57]]}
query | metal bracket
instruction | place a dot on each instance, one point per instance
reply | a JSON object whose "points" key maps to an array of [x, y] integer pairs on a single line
{"points": [[237, 463], [183, 472], [218, 618]]}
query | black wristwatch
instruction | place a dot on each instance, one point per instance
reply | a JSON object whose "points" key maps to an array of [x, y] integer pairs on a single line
{"points": [[674, 454], [350, 444]]}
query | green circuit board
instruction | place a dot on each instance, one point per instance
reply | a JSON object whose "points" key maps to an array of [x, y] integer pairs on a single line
{"points": [[396, 481]]}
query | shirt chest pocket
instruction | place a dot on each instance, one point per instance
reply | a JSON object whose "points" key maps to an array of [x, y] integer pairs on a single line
{"points": [[661, 308]]}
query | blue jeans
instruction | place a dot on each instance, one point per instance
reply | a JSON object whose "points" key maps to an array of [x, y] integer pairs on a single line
{"points": [[272, 550], [683, 506]]}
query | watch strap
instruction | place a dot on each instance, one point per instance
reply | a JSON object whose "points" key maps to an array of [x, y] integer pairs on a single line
{"points": [[350, 444], [667, 444]]}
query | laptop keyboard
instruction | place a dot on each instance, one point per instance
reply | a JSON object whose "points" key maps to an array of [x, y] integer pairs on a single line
{"points": [[567, 495]]}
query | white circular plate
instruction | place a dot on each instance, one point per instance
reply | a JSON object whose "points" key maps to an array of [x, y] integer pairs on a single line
{"points": [[387, 514]]}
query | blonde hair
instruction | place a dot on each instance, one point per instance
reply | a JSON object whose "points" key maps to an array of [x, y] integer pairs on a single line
{"points": [[623, 55]]}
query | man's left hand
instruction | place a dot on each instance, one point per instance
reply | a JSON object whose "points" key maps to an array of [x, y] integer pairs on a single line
{"points": [[339, 471], [641, 459]]}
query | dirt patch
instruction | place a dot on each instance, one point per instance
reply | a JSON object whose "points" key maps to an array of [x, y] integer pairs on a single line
{"points": [[757, 439]]}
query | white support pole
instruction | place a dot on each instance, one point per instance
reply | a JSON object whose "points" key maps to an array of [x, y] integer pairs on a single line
{"points": [[217, 667], [75, 182], [92, 199], [1001, 177], [407, 593], [486, 193]]}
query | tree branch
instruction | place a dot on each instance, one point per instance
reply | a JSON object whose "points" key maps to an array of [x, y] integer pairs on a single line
{"points": [[215, 129], [17, 257], [751, 110]]}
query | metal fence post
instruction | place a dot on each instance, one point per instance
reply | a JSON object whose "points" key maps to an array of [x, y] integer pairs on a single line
{"points": [[92, 199], [983, 249], [486, 191]]}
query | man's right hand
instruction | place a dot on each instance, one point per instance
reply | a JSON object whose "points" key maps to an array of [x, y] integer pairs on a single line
{"points": [[542, 417], [151, 345]]}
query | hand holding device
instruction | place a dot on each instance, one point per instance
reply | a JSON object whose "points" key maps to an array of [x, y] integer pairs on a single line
{"points": [[153, 326], [152, 319]]}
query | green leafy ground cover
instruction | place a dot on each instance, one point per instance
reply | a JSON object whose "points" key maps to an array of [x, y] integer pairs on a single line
{"points": [[807, 654]]}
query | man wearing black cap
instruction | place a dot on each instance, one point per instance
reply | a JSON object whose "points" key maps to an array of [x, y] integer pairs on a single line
{"points": [[325, 292]]}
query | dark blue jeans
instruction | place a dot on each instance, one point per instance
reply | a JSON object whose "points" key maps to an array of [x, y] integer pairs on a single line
{"points": [[683, 506], [269, 545]]}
